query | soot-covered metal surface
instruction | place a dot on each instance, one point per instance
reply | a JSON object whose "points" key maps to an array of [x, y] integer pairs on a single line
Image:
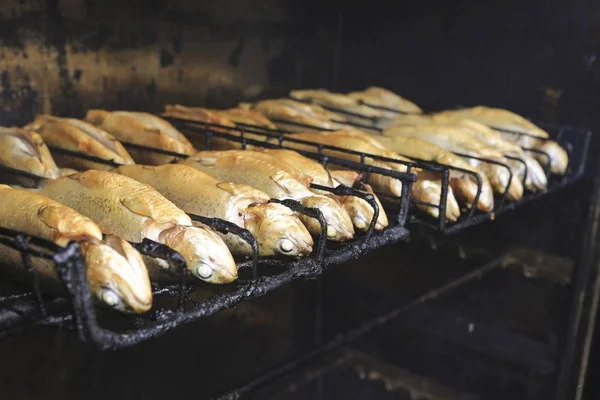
{"points": [[63, 57]]}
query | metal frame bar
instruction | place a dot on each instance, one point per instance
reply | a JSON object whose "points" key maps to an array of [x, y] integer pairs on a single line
{"points": [[72, 270], [83, 315], [474, 216]]}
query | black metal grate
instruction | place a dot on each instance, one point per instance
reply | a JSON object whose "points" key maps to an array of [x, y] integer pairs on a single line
{"points": [[575, 140], [258, 276]]}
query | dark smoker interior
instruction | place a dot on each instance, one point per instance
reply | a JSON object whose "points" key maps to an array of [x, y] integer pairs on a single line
{"points": [[504, 309]]}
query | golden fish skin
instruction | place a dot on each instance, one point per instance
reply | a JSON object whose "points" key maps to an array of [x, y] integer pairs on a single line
{"points": [[337, 100], [559, 158], [132, 210], [449, 138], [26, 151], [455, 140], [504, 119], [381, 184], [463, 184], [208, 116], [268, 175], [392, 100], [276, 228], [142, 129], [115, 273], [359, 210], [498, 118], [247, 116], [428, 189], [39, 216], [499, 176], [312, 109], [75, 135], [371, 97], [198, 114], [283, 111], [535, 180]]}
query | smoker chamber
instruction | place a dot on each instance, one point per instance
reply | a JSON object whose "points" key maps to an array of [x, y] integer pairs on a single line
{"points": [[495, 305], [162, 320]]}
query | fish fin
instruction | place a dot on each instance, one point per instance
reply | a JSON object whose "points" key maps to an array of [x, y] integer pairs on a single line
{"points": [[137, 205], [346, 177], [231, 187], [49, 215], [286, 181]]}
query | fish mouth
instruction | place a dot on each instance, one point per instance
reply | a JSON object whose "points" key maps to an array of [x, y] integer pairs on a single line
{"points": [[138, 305], [339, 233], [360, 222]]}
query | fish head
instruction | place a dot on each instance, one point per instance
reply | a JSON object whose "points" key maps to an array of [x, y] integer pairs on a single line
{"points": [[559, 158], [536, 177], [117, 275], [339, 223], [500, 178], [359, 210], [278, 230], [362, 213], [430, 191], [206, 255]]}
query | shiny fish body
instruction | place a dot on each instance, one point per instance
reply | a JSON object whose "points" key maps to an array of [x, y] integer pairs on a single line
{"points": [[381, 183], [536, 178], [313, 109], [276, 228], [359, 210], [280, 111], [339, 101], [75, 135], [383, 98], [508, 120], [498, 118], [26, 151], [252, 168], [428, 189], [116, 275], [245, 116], [142, 129], [355, 206], [360, 141], [134, 211], [464, 185], [207, 116], [457, 141]]}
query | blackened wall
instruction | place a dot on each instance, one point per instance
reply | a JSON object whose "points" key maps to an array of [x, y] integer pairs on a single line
{"points": [[64, 56], [538, 57]]}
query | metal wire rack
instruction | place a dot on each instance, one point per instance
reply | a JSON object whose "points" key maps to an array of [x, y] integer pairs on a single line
{"points": [[258, 276], [576, 141]]}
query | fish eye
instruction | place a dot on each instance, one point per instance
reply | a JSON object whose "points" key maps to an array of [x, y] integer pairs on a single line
{"points": [[204, 271], [111, 299], [286, 246]]}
